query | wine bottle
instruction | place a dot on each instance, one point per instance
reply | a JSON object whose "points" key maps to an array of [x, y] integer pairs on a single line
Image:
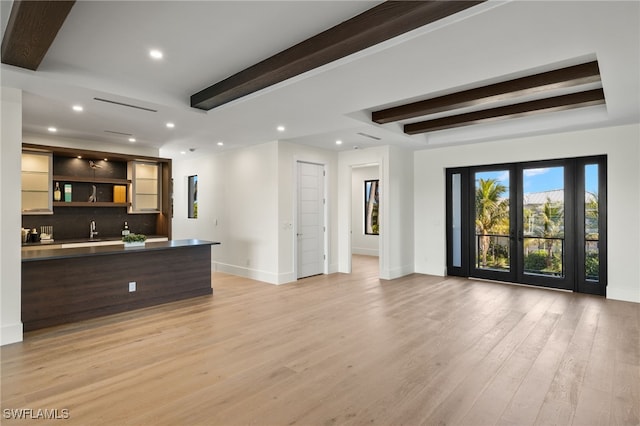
{"points": [[125, 229], [57, 194]]}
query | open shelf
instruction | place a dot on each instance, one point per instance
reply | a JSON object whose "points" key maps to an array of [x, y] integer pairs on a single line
{"points": [[88, 204], [62, 178]]}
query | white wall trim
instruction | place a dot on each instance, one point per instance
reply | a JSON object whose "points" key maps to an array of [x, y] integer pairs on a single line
{"points": [[10, 215], [394, 273], [11, 333], [364, 251], [254, 274]]}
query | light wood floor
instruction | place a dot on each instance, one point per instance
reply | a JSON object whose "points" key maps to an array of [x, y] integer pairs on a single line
{"points": [[340, 350]]}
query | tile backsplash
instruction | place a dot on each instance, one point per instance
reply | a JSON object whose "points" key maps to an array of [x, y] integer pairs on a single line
{"points": [[73, 222]]}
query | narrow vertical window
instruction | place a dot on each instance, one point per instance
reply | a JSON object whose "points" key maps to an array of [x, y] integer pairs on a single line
{"points": [[591, 223], [193, 197], [371, 224], [456, 219]]}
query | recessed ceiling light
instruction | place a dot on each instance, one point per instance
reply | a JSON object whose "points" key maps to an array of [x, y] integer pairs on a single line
{"points": [[79, 156], [132, 139], [155, 54], [77, 108], [106, 159], [171, 125], [280, 128], [52, 129], [220, 143], [183, 152], [338, 142]]}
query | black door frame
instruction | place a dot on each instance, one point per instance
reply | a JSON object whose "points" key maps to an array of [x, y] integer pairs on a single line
{"points": [[575, 257], [566, 282], [492, 274]]}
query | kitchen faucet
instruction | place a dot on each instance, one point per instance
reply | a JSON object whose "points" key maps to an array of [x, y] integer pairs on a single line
{"points": [[92, 229]]}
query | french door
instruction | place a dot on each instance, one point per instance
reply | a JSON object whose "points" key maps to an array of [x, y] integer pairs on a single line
{"points": [[540, 223]]}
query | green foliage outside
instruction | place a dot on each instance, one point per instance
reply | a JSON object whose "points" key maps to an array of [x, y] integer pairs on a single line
{"points": [[543, 232], [539, 262], [592, 266]]}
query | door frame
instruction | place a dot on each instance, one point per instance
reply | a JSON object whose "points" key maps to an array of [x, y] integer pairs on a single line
{"points": [[567, 282], [489, 274], [574, 177]]}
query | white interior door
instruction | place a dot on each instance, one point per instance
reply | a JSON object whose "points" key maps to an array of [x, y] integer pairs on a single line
{"points": [[311, 226]]}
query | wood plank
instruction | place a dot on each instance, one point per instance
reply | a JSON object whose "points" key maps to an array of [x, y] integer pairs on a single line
{"points": [[522, 109], [380, 23], [542, 82], [32, 27], [340, 349]]}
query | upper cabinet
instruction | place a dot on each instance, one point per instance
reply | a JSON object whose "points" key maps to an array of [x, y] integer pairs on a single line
{"points": [[37, 191], [146, 186], [119, 184]]}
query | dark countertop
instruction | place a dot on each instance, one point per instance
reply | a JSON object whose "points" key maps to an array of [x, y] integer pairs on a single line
{"points": [[82, 240], [66, 253]]}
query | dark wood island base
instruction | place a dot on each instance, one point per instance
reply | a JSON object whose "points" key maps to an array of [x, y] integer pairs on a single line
{"points": [[66, 285]]}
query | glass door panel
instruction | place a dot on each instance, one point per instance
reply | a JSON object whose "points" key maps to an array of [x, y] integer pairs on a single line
{"points": [[591, 224], [456, 221], [492, 235], [545, 221], [543, 211]]}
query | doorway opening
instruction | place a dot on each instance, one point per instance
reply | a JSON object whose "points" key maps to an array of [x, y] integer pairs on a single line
{"points": [[365, 217]]}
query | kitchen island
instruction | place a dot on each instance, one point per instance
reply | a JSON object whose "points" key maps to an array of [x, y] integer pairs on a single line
{"points": [[62, 285]]}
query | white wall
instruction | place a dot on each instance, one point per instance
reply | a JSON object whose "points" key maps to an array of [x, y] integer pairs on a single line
{"points": [[248, 220], [622, 146], [10, 216], [246, 201], [362, 243], [211, 223], [399, 255]]}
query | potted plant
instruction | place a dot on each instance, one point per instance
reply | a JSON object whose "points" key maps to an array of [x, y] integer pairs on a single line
{"points": [[134, 240]]}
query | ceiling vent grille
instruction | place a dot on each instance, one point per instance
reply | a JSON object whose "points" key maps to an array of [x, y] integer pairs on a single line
{"points": [[125, 105], [369, 136]]}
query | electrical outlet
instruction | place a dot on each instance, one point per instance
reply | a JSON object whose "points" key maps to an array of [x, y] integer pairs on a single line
{"points": [[132, 286]]}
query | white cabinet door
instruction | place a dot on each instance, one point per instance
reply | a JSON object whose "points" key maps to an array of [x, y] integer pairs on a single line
{"points": [[145, 186], [36, 174]]}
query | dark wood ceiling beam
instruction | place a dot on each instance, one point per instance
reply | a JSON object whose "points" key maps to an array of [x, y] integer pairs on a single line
{"points": [[31, 28], [556, 103], [380, 23], [565, 77]]}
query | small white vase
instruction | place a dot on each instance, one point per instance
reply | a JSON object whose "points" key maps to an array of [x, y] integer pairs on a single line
{"points": [[134, 244]]}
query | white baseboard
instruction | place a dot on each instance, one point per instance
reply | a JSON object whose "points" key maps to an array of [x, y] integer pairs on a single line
{"points": [[364, 251], [254, 274], [394, 273], [10, 334]]}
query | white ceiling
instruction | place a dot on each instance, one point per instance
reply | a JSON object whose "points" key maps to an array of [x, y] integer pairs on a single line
{"points": [[102, 51]]}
